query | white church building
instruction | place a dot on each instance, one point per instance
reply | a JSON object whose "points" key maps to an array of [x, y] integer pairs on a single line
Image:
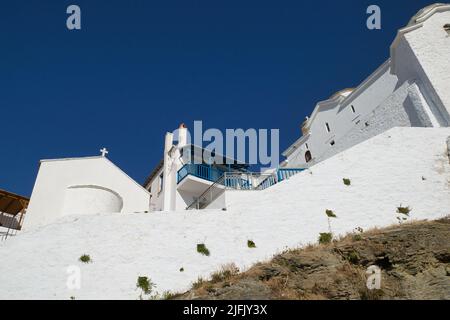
{"points": [[80, 186], [411, 89]]}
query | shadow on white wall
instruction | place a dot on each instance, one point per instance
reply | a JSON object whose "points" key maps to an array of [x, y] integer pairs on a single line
{"points": [[91, 199]]}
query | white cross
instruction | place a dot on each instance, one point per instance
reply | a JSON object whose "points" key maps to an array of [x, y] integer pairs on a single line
{"points": [[104, 152]]}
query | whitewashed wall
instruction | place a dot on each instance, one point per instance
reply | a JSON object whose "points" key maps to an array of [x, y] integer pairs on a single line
{"points": [[88, 185], [157, 199], [403, 166], [340, 117], [424, 54]]}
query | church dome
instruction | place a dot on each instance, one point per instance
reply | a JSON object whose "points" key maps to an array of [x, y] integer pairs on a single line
{"points": [[342, 93]]}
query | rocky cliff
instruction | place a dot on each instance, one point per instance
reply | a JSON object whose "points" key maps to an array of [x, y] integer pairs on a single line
{"points": [[414, 259]]}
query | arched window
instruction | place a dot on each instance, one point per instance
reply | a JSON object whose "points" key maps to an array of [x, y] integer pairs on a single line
{"points": [[308, 156]]}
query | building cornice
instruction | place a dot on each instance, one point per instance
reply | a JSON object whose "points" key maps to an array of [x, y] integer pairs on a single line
{"points": [[414, 24]]}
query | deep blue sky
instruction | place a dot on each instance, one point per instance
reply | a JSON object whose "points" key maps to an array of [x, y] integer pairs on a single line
{"points": [[139, 68]]}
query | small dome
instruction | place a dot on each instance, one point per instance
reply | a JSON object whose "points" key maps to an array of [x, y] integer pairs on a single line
{"points": [[343, 93]]}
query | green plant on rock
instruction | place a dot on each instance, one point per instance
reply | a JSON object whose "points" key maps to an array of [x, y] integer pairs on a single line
{"points": [[325, 238], [347, 182], [199, 283], [167, 295], [353, 257], [403, 213], [202, 249], [85, 258], [251, 244], [330, 214], [145, 284], [225, 273], [404, 210], [357, 236]]}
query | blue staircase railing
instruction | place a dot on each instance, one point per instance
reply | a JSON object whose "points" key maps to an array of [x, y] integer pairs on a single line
{"points": [[237, 180], [286, 173]]}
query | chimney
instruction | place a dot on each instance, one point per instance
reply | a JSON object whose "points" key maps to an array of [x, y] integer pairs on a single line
{"points": [[182, 135]]}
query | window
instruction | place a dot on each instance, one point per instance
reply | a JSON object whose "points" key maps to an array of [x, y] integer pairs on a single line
{"points": [[447, 28], [353, 109], [327, 125], [308, 156], [332, 143], [161, 182], [307, 147]]}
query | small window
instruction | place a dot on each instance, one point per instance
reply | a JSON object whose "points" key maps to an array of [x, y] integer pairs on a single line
{"points": [[332, 143], [307, 147], [161, 182], [447, 28], [308, 156], [353, 109], [327, 125]]}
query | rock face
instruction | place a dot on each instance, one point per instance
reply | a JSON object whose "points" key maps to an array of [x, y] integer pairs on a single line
{"points": [[414, 259]]}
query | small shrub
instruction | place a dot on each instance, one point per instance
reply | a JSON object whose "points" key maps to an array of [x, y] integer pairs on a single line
{"points": [[325, 238], [199, 283], [330, 214], [251, 244], [85, 258], [404, 210], [347, 182], [353, 257], [357, 234], [145, 284], [182, 269], [202, 249], [167, 295], [359, 229], [226, 272], [371, 295], [72, 298]]}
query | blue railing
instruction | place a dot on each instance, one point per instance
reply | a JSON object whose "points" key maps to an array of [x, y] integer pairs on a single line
{"points": [[201, 171], [236, 180], [284, 174]]}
